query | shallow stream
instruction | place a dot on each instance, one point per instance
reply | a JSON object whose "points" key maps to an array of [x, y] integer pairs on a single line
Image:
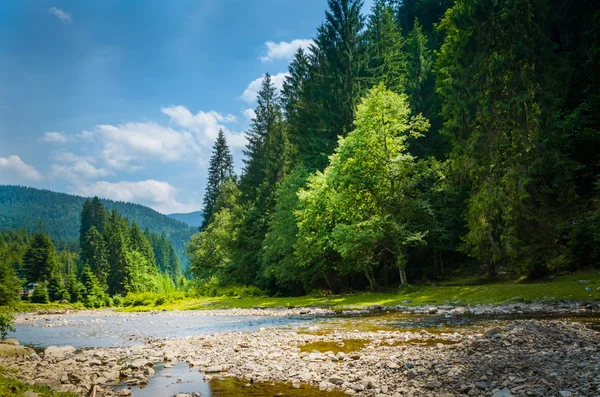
{"points": [[131, 329]]}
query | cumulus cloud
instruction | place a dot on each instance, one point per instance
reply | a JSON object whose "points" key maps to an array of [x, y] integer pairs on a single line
{"points": [[14, 170], [249, 94], [205, 125], [249, 113], [158, 195], [54, 137], [129, 146], [284, 49], [77, 168], [60, 14]]}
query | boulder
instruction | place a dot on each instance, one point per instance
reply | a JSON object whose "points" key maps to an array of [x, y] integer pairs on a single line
{"points": [[9, 351], [10, 341], [55, 351], [492, 331]]}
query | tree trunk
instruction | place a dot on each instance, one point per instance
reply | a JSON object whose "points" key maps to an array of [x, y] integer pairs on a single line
{"points": [[402, 276]]}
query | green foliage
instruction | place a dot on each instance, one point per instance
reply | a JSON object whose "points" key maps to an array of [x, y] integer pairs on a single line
{"points": [[40, 293], [9, 282], [38, 262], [211, 252], [75, 289], [278, 257], [363, 208], [7, 321], [23, 207], [220, 170]]}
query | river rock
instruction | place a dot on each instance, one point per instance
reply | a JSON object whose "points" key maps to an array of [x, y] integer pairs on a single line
{"points": [[431, 385], [502, 393], [139, 363], [55, 351], [8, 351], [214, 369], [492, 331], [336, 380]]}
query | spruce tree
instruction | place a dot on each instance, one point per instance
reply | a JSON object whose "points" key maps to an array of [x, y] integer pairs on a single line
{"points": [[386, 60], [220, 169], [39, 259], [116, 249], [95, 252]]}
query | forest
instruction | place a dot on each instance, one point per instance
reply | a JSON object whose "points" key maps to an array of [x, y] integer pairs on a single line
{"points": [[424, 140], [115, 258], [24, 207]]}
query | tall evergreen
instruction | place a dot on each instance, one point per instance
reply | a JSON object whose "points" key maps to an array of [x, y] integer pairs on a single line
{"points": [[267, 121], [336, 81], [386, 56], [116, 249], [220, 169], [94, 251], [497, 68], [93, 215], [39, 259]]}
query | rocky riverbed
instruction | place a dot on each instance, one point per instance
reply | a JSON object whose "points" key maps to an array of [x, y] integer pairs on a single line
{"points": [[517, 358]]}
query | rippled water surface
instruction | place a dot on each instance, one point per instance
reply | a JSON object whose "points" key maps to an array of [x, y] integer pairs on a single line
{"points": [[120, 330]]}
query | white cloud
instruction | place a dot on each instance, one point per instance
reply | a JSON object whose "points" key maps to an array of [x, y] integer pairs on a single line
{"points": [[14, 170], [284, 49], [55, 137], [205, 125], [249, 94], [129, 146], [76, 168], [249, 113], [158, 195], [60, 14], [126, 146]]}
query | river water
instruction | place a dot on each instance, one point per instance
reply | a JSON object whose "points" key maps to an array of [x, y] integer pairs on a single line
{"points": [[131, 329]]}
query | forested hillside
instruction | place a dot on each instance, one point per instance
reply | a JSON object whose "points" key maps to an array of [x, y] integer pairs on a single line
{"points": [[24, 207], [425, 139]]}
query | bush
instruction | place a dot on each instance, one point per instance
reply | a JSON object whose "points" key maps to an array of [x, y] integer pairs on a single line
{"points": [[40, 294], [213, 288], [6, 324], [117, 300]]}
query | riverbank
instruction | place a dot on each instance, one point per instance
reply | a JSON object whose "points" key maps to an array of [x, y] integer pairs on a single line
{"points": [[579, 286], [523, 357]]}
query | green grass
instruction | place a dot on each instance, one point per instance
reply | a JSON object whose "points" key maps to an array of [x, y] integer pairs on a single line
{"points": [[27, 307], [463, 291], [10, 387]]}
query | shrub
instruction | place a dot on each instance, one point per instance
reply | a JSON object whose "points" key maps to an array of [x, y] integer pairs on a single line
{"points": [[6, 324], [40, 294], [117, 300]]}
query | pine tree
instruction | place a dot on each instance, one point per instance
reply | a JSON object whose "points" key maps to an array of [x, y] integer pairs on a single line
{"points": [[95, 252], [94, 215], [220, 169], [268, 119], [139, 242], [336, 81], [497, 71], [387, 60], [39, 261], [116, 249]]}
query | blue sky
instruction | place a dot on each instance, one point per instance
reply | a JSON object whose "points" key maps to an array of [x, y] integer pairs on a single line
{"points": [[123, 99]]}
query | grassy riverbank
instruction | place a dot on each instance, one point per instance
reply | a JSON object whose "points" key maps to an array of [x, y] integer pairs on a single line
{"points": [[10, 387], [459, 291], [463, 291]]}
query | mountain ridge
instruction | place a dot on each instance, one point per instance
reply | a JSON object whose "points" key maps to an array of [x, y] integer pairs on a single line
{"points": [[23, 207], [193, 218]]}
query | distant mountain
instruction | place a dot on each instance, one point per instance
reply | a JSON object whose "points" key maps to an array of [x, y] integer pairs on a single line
{"points": [[193, 218], [24, 206]]}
